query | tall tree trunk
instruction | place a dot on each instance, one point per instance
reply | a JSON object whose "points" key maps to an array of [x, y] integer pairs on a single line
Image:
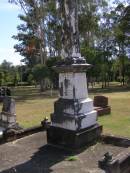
{"points": [[42, 87]]}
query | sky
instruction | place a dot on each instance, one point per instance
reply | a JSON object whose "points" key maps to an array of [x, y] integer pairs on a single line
{"points": [[8, 27]]}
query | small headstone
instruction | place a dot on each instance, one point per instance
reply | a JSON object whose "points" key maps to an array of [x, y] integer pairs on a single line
{"points": [[3, 91], [1, 98], [8, 115], [100, 101], [101, 105], [8, 92], [9, 105]]}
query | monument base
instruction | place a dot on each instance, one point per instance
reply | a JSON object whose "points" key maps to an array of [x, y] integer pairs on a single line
{"points": [[73, 139], [103, 110]]}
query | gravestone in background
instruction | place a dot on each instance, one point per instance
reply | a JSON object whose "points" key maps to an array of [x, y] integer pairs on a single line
{"points": [[101, 105], [8, 114], [100, 101]]}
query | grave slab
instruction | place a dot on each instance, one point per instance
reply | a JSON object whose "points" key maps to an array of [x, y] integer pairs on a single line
{"points": [[18, 156]]}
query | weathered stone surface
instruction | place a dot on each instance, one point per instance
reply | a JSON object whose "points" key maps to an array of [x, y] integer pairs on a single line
{"points": [[118, 164], [9, 105], [5, 91], [8, 114], [100, 101], [74, 68], [116, 140], [74, 110], [77, 139], [18, 156], [101, 105], [103, 110], [71, 88], [73, 114]]}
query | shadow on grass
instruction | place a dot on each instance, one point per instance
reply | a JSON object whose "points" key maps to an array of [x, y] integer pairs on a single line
{"points": [[112, 89], [41, 161], [34, 94], [34, 97]]}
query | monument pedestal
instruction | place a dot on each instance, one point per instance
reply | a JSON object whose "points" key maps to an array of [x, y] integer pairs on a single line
{"points": [[74, 121], [73, 139]]}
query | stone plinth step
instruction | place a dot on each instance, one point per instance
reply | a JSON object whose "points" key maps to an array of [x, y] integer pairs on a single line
{"points": [[73, 140], [103, 110]]}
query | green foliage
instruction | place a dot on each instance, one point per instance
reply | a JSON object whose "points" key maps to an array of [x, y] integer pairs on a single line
{"points": [[39, 72], [104, 37], [1, 78], [31, 79], [9, 74]]}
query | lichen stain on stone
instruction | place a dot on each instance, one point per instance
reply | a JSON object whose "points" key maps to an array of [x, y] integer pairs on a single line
{"points": [[61, 119], [74, 93], [66, 84], [77, 107], [79, 122], [61, 105], [61, 89]]}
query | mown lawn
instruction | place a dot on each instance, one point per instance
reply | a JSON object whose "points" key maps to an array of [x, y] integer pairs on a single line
{"points": [[32, 107], [118, 122]]}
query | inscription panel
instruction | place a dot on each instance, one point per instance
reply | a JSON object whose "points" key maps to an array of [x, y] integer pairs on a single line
{"points": [[73, 85]]}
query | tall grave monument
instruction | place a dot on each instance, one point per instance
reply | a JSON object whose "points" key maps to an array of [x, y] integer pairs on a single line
{"points": [[74, 121]]}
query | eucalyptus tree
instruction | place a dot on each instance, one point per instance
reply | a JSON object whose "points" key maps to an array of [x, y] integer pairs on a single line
{"points": [[122, 39], [35, 17], [91, 15], [106, 46], [33, 35], [28, 45]]}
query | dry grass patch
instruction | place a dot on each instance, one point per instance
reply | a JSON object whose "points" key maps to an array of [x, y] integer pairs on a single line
{"points": [[32, 112], [32, 107], [118, 123]]}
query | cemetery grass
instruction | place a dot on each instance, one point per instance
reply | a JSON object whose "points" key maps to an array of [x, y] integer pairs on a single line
{"points": [[32, 107]]}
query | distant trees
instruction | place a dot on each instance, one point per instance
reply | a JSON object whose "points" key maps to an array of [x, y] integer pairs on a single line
{"points": [[40, 72], [9, 74], [121, 39], [104, 38]]}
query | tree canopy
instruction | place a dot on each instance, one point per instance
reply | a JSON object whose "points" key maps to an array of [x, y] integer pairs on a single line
{"points": [[104, 36]]}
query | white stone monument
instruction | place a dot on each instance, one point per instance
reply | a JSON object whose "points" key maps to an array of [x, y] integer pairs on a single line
{"points": [[74, 121], [77, 109]]}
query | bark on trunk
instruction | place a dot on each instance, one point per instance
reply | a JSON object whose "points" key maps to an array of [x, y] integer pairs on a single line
{"points": [[42, 87]]}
